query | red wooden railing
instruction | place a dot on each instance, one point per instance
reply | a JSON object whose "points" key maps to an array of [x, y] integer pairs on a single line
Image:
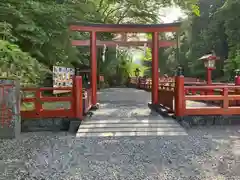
{"points": [[166, 95], [227, 100], [173, 95], [146, 83], [75, 100]]}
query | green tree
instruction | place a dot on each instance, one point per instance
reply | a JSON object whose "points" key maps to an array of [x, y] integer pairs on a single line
{"points": [[40, 28]]}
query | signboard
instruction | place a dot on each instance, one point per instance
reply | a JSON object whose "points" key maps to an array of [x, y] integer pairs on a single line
{"points": [[62, 77]]}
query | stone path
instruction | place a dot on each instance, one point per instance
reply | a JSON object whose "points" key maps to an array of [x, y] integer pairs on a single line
{"points": [[124, 112], [204, 153]]}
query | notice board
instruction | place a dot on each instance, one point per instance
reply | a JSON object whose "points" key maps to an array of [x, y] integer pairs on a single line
{"points": [[62, 77]]}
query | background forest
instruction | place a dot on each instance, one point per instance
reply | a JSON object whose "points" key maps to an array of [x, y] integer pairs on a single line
{"points": [[34, 36]]}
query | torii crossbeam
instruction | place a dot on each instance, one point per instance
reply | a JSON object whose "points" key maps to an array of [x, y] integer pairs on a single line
{"points": [[123, 43], [117, 28]]}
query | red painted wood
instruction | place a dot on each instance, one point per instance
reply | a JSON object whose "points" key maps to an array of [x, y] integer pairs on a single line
{"points": [[48, 113], [6, 85], [212, 111], [212, 87], [155, 78], [93, 48], [28, 99], [78, 97], [180, 103], [225, 96], [38, 102], [56, 99], [170, 27], [209, 76], [165, 98], [123, 43], [237, 91], [75, 99], [204, 97], [30, 89]]}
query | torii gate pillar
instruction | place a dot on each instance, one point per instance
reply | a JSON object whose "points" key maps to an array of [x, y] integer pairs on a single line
{"points": [[155, 78], [93, 50]]}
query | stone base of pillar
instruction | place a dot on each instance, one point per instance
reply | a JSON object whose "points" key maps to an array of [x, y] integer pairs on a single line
{"points": [[11, 130], [74, 126], [46, 124]]}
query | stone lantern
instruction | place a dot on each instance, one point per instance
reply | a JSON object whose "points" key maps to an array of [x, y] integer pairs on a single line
{"points": [[210, 64]]}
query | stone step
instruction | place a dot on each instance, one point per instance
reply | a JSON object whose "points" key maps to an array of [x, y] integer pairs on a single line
{"points": [[129, 121], [122, 125], [131, 129], [125, 134]]}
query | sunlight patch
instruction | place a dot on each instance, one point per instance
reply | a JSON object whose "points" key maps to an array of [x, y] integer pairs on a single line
{"points": [[105, 111], [107, 134]]}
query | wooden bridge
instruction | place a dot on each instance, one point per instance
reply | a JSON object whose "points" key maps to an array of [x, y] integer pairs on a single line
{"points": [[177, 98]]}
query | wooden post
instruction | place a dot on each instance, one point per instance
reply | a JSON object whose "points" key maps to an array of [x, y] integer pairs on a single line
{"points": [[237, 78], [38, 102], [237, 83], [225, 100], [155, 79], [180, 104], [78, 99], [209, 76], [93, 53]]}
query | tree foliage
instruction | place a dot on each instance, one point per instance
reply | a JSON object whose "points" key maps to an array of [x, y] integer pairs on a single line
{"points": [[217, 28], [35, 36]]}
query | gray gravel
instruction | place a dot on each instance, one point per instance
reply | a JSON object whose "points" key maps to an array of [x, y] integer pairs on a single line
{"points": [[204, 154]]}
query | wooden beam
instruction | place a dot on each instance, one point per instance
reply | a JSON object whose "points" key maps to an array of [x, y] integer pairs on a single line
{"points": [[87, 27], [122, 43]]}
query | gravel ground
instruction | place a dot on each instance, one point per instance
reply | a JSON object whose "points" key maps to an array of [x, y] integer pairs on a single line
{"points": [[204, 154]]}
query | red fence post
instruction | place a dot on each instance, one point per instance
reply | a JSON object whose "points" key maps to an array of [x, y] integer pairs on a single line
{"points": [[38, 102], [180, 104], [77, 96], [225, 100], [237, 83], [237, 79]]}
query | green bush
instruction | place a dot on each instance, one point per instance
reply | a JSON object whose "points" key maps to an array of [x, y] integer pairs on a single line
{"points": [[14, 63]]}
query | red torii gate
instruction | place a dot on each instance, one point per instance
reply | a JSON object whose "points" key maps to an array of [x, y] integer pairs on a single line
{"points": [[118, 28]]}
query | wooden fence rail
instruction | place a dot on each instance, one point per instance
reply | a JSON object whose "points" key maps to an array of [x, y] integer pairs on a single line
{"points": [[219, 98], [38, 109], [225, 108]]}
